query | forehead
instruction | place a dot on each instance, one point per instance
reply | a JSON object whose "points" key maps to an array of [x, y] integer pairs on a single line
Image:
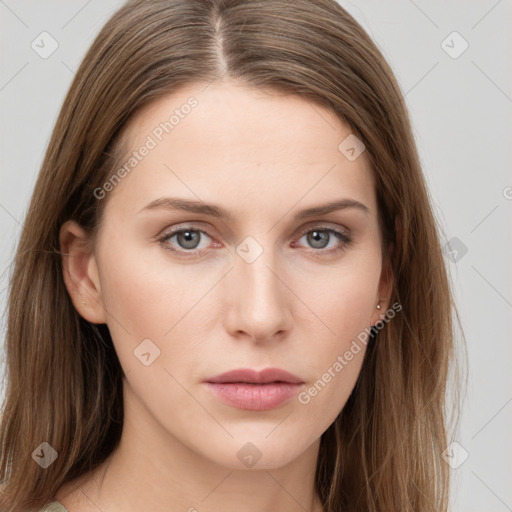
{"points": [[248, 140]]}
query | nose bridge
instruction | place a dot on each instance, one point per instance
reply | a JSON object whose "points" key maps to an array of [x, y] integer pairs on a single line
{"points": [[259, 277], [259, 298]]}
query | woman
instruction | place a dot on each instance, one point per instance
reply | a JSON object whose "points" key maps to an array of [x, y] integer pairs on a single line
{"points": [[229, 289]]}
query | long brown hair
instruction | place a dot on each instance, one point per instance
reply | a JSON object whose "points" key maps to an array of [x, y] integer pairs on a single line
{"points": [[64, 381]]}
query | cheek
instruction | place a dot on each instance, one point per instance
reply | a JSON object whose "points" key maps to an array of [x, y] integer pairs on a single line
{"points": [[149, 297], [342, 306], [325, 396], [140, 285], [341, 299]]}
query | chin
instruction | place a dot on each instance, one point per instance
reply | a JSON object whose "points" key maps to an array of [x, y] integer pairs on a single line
{"points": [[256, 453]]}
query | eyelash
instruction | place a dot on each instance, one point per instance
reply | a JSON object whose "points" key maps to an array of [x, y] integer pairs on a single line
{"points": [[345, 239]]}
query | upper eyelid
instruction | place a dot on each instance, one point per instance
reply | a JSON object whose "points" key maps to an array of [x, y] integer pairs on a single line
{"points": [[202, 226], [321, 225]]}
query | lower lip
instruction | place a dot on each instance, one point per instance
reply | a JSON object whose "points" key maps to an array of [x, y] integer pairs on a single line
{"points": [[254, 397]]}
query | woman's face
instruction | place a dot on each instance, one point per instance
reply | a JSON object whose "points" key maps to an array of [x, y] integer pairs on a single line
{"points": [[265, 286]]}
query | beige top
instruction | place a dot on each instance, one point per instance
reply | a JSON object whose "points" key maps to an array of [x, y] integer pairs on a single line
{"points": [[54, 506]]}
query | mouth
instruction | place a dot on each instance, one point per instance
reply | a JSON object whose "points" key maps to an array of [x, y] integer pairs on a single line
{"points": [[256, 391]]}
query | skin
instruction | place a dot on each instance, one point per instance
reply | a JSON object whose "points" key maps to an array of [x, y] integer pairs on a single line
{"points": [[262, 155]]}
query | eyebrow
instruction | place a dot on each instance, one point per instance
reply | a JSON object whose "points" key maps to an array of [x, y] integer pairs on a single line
{"points": [[175, 204]]}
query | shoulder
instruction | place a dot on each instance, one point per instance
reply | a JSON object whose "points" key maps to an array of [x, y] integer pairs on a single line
{"points": [[54, 506]]}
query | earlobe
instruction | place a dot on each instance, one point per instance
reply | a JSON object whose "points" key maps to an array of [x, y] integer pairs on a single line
{"points": [[385, 290], [80, 272]]}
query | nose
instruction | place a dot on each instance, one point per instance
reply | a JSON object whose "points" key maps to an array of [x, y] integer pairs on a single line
{"points": [[258, 300]]}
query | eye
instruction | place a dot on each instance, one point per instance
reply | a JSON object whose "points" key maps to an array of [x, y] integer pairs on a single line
{"points": [[322, 240], [321, 237], [188, 240]]}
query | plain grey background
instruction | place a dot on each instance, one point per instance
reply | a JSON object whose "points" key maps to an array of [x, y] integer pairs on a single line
{"points": [[458, 87]]}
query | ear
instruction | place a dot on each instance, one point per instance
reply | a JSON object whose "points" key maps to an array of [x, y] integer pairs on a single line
{"points": [[80, 272], [385, 289]]}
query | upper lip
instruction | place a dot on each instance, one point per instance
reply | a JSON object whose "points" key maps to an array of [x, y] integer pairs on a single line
{"points": [[257, 377]]}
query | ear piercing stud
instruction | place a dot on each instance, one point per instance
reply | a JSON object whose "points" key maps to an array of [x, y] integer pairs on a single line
{"points": [[378, 306]]}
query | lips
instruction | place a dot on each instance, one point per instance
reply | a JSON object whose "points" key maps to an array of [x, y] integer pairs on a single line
{"points": [[255, 391], [250, 376]]}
